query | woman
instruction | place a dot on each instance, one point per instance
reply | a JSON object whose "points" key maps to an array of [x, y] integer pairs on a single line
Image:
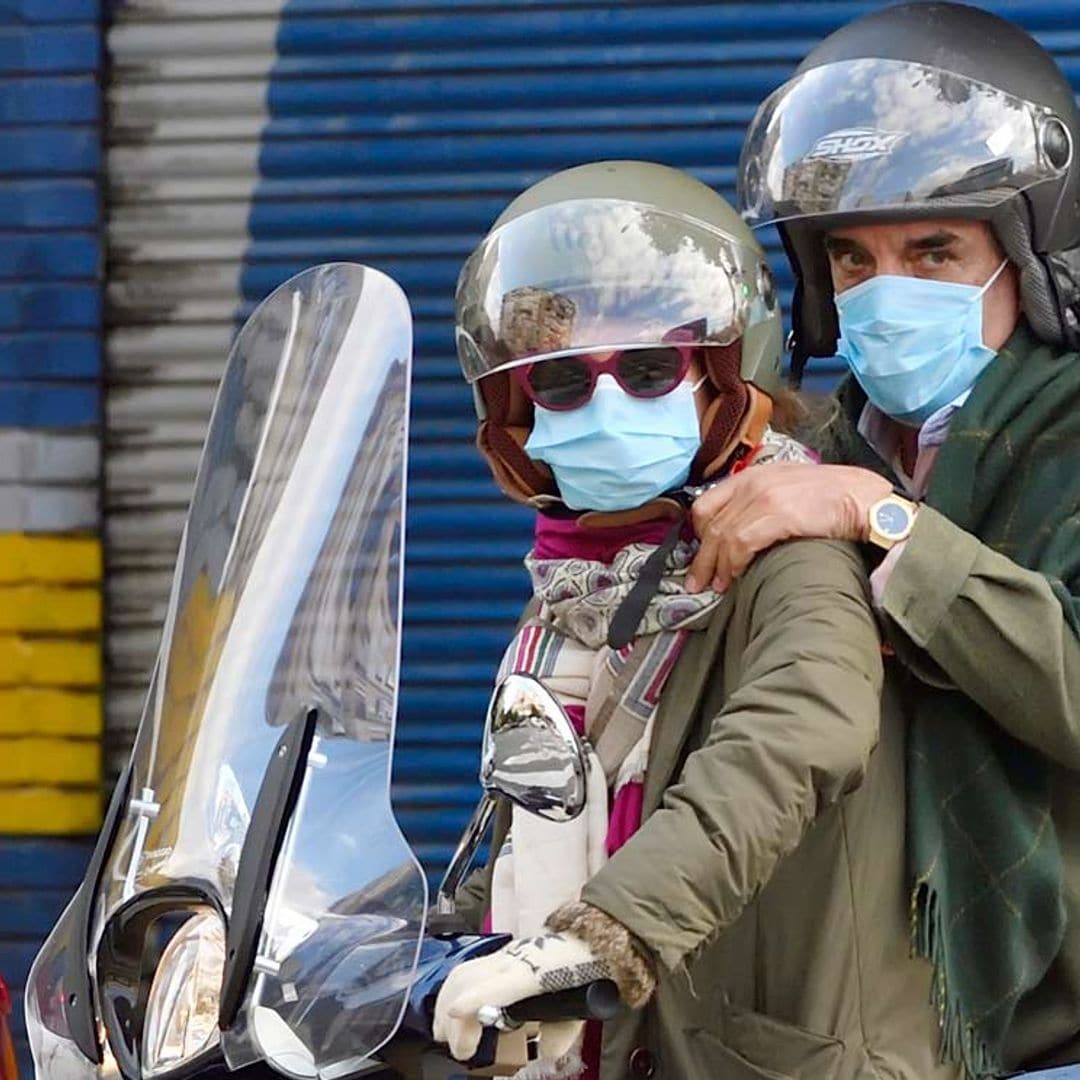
{"points": [[741, 876]]}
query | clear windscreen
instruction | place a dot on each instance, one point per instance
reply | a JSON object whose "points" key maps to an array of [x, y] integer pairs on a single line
{"points": [[869, 134], [594, 273], [286, 599], [52, 1043]]}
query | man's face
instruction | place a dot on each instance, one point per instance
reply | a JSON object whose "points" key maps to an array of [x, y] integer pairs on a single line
{"points": [[965, 252]]}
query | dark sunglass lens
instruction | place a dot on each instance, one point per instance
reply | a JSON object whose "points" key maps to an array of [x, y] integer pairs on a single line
{"points": [[559, 383], [650, 372]]}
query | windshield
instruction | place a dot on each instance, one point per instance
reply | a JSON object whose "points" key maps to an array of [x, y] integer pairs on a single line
{"points": [[604, 273], [287, 599], [872, 135]]}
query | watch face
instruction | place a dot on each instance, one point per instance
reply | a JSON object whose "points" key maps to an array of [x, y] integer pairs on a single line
{"points": [[891, 519]]}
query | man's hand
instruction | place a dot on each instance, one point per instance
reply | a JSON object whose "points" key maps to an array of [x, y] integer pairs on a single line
{"points": [[757, 508], [523, 969]]}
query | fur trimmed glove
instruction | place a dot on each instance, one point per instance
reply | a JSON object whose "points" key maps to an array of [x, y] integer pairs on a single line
{"points": [[628, 963], [584, 944]]}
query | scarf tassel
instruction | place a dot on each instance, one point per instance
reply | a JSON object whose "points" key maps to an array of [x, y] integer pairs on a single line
{"points": [[960, 1042]]}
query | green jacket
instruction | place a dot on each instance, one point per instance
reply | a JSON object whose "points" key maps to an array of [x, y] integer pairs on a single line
{"points": [[965, 613], [997, 632], [767, 877]]}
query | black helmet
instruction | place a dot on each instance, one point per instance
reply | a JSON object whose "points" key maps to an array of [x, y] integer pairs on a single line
{"points": [[914, 111]]}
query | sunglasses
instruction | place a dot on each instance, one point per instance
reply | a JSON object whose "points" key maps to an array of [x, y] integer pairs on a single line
{"points": [[568, 382]]}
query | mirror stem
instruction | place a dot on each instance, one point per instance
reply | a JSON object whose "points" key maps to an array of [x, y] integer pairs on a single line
{"points": [[463, 856]]}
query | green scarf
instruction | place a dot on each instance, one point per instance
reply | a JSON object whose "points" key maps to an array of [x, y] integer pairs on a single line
{"points": [[982, 849]]}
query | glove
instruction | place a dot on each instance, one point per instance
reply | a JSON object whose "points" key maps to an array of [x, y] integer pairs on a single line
{"points": [[524, 968]]}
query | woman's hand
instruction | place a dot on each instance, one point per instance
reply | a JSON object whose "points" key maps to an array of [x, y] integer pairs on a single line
{"points": [[749, 512], [523, 969]]}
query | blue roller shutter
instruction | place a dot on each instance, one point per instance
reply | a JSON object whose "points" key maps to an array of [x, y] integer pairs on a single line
{"points": [[247, 147]]}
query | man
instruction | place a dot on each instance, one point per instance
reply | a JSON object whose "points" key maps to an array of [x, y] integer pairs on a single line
{"points": [[921, 166]]}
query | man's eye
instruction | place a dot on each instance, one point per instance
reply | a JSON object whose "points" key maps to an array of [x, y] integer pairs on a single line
{"points": [[936, 258], [852, 260]]}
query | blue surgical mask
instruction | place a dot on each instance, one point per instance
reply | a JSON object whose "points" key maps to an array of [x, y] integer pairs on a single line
{"points": [[915, 345], [618, 451]]}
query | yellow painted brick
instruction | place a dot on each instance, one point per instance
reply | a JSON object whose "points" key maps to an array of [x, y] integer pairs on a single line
{"points": [[34, 558], [43, 811], [43, 609], [49, 761], [28, 710], [49, 661]]}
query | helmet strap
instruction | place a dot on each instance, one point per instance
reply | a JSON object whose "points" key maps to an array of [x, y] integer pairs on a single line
{"points": [[741, 439], [518, 475], [1065, 278], [662, 508]]}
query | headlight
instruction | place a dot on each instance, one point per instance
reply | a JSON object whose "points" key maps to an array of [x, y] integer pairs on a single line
{"points": [[182, 1007]]}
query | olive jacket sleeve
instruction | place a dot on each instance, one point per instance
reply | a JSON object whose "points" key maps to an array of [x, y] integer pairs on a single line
{"points": [[784, 728], [994, 630]]}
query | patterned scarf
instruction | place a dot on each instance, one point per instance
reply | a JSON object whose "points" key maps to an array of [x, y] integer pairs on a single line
{"points": [[610, 694]]}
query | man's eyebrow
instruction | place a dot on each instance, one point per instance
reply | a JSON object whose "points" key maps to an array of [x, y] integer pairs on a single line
{"points": [[840, 245], [933, 241]]}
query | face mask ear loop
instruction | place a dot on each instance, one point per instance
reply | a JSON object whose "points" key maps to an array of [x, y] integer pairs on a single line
{"points": [[699, 384], [993, 277]]}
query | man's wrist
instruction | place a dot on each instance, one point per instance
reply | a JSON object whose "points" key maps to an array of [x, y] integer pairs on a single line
{"points": [[864, 488]]}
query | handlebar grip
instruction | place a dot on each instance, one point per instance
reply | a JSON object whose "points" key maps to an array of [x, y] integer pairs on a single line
{"points": [[598, 1000]]}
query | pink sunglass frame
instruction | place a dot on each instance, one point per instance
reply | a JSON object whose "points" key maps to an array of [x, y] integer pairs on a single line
{"points": [[596, 368]]}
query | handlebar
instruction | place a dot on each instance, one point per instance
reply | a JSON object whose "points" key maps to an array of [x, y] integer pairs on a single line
{"points": [[598, 1000]]}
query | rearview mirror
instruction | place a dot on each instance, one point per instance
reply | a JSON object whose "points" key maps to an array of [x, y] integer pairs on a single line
{"points": [[531, 753]]}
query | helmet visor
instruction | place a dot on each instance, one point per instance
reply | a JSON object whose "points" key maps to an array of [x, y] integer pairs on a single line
{"points": [[594, 274], [881, 135]]}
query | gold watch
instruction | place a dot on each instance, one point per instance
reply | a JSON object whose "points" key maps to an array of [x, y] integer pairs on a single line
{"points": [[891, 520]]}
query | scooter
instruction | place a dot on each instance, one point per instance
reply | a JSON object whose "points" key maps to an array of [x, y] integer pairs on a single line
{"points": [[251, 906]]}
